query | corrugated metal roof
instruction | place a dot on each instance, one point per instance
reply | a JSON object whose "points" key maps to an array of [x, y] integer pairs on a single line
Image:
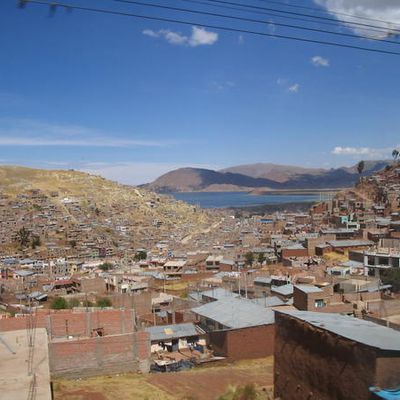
{"points": [[219, 293], [263, 279], [350, 243], [168, 332], [352, 264], [236, 313], [284, 290], [308, 288], [355, 329], [271, 301]]}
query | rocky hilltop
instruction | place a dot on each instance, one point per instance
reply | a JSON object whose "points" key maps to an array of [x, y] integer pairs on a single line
{"points": [[260, 176], [74, 213]]}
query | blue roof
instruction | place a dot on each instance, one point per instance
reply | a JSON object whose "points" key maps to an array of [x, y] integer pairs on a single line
{"points": [[388, 394]]}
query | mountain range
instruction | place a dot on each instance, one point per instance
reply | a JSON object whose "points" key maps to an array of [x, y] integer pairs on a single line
{"points": [[261, 176]]}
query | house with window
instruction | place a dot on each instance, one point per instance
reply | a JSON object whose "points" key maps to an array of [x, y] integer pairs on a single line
{"points": [[322, 299]]}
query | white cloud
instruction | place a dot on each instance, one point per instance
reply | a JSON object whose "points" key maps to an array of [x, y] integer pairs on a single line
{"points": [[151, 33], [383, 10], [351, 150], [27, 132], [365, 152], [319, 61], [281, 81], [201, 37], [294, 88], [221, 86], [198, 37]]}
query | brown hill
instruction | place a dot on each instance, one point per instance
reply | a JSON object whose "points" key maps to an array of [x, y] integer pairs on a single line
{"points": [[260, 176]]}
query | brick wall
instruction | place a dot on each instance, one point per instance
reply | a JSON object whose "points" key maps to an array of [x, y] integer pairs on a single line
{"points": [[96, 356], [70, 323], [306, 301], [245, 343], [286, 253], [141, 302], [92, 285], [385, 308]]}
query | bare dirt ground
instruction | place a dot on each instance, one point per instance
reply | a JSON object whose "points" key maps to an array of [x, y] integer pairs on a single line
{"points": [[204, 383]]}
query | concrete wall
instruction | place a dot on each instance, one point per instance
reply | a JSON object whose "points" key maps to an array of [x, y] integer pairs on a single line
{"points": [[245, 343], [100, 355]]}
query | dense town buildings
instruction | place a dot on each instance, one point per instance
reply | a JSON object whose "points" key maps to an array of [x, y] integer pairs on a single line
{"points": [[144, 294]]}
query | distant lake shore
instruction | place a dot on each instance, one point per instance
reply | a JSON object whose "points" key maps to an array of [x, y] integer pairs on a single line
{"points": [[245, 199]]}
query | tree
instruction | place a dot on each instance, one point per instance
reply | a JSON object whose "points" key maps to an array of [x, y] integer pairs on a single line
{"points": [[395, 154], [74, 302], [23, 236], [140, 255], [35, 242], [360, 167], [72, 243], [249, 258], [103, 302], [106, 266], [59, 303], [391, 276], [261, 258]]}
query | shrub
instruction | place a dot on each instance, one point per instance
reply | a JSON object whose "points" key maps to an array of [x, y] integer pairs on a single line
{"points": [[74, 302], [103, 302], [59, 303]]}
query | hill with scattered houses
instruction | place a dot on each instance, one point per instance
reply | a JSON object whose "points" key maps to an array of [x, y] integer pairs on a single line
{"points": [[74, 213]]}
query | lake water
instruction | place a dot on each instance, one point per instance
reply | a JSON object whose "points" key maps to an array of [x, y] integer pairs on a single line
{"points": [[241, 199]]}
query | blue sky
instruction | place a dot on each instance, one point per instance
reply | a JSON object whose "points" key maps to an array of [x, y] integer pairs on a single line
{"points": [[131, 99]]}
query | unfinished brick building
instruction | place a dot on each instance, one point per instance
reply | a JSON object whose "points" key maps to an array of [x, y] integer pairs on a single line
{"points": [[87, 343], [333, 357]]}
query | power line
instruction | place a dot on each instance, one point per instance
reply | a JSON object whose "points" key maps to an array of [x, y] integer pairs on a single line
{"points": [[52, 5], [212, 14], [227, 7], [300, 14], [327, 12]]}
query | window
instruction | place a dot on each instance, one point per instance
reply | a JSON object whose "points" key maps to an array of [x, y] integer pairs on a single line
{"points": [[319, 303]]}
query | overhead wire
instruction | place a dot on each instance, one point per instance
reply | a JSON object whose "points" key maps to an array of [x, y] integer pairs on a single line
{"points": [[68, 6], [301, 14], [335, 12], [336, 23], [244, 19]]}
